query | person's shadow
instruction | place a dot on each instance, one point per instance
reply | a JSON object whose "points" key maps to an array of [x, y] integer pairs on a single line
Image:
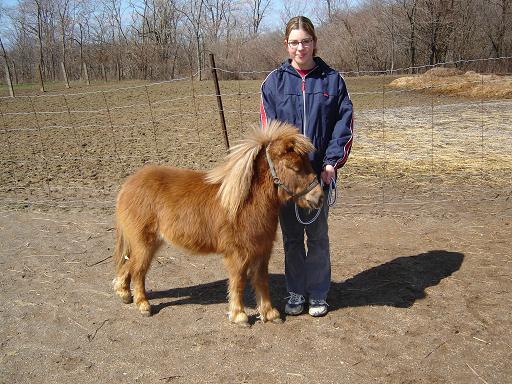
{"points": [[398, 283]]}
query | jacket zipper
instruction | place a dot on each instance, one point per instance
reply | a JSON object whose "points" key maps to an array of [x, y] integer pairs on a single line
{"points": [[304, 125], [304, 105]]}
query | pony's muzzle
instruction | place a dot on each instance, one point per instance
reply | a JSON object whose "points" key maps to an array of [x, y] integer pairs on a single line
{"points": [[314, 199]]}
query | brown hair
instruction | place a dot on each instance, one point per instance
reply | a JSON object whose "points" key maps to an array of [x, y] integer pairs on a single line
{"points": [[300, 22]]}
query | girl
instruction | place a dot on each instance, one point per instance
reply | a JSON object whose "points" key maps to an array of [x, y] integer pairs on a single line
{"points": [[306, 92]]}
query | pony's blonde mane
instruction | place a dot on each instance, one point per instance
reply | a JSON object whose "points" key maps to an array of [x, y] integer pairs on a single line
{"points": [[236, 173]]}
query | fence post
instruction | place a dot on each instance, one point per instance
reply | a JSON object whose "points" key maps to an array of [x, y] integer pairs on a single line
{"points": [[8, 78], [219, 100]]}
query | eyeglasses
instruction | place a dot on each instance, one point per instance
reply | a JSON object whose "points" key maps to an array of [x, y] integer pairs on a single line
{"points": [[306, 43]]}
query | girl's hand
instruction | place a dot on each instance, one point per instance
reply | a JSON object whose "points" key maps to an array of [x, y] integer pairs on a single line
{"points": [[327, 174]]}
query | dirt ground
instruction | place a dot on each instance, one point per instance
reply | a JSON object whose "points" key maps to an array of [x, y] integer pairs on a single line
{"points": [[420, 246], [420, 294]]}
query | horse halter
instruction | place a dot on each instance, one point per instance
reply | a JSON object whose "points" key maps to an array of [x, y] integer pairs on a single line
{"points": [[279, 183]]}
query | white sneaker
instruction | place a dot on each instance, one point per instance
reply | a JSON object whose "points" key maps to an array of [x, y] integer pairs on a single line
{"points": [[295, 304], [318, 307]]}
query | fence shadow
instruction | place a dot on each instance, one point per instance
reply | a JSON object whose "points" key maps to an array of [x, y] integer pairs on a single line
{"points": [[398, 283]]}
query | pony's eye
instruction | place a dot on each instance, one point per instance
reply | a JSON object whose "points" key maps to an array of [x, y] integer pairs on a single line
{"points": [[292, 165]]}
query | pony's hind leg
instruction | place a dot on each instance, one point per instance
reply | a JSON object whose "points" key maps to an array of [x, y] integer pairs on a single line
{"points": [[122, 281], [121, 255], [259, 281], [140, 261]]}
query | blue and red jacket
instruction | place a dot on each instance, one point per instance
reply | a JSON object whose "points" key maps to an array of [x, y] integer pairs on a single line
{"points": [[318, 104]]}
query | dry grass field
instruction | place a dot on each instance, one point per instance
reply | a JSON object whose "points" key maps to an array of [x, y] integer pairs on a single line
{"points": [[420, 243]]}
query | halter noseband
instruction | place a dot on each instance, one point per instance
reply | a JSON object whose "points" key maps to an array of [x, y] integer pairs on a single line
{"points": [[279, 183]]}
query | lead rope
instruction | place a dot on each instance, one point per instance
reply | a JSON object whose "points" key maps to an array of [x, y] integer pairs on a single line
{"points": [[331, 199]]}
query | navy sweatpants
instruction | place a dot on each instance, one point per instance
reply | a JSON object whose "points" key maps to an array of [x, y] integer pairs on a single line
{"points": [[307, 265]]}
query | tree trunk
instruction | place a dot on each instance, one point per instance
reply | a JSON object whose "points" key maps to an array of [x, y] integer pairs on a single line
{"points": [[7, 70], [15, 72], [41, 82], [103, 72], [86, 73], [8, 79], [65, 74], [198, 56]]}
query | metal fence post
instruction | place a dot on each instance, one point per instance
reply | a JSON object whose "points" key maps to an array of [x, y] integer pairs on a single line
{"points": [[219, 100]]}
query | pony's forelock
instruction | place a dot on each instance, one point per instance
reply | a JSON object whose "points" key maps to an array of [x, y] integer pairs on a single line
{"points": [[236, 173]]}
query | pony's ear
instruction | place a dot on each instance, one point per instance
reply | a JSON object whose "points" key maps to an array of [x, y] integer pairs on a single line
{"points": [[282, 147], [302, 145]]}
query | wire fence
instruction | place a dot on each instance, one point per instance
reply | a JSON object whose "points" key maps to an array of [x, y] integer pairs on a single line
{"points": [[74, 148]]}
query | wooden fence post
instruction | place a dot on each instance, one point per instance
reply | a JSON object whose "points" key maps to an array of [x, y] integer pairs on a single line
{"points": [[219, 100], [8, 79]]}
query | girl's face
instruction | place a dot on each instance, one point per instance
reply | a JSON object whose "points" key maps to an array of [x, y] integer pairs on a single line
{"points": [[300, 47]]}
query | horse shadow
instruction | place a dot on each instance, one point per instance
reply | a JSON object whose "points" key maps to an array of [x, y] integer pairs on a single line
{"points": [[397, 283]]}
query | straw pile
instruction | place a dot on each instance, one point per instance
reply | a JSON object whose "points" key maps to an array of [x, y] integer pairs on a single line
{"points": [[453, 82]]}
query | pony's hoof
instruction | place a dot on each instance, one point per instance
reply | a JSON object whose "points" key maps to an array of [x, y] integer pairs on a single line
{"points": [[126, 297], [239, 319], [146, 313], [122, 292], [145, 309], [274, 316]]}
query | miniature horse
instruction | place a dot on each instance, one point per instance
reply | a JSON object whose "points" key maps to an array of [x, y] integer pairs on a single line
{"points": [[231, 209]]}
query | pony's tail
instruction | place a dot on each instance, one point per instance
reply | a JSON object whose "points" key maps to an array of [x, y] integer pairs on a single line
{"points": [[121, 250]]}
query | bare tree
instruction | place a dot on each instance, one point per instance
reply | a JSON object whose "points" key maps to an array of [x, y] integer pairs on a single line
{"points": [[258, 10], [168, 37], [29, 18], [215, 17], [497, 16], [409, 7], [345, 21], [118, 40], [7, 70], [435, 27], [65, 23], [193, 12], [291, 9], [387, 19]]}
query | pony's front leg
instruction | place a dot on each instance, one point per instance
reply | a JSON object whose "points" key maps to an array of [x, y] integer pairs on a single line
{"points": [[260, 284], [237, 270]]}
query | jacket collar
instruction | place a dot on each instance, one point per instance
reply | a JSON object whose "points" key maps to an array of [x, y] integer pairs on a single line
{"points": [[320, 66]]}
